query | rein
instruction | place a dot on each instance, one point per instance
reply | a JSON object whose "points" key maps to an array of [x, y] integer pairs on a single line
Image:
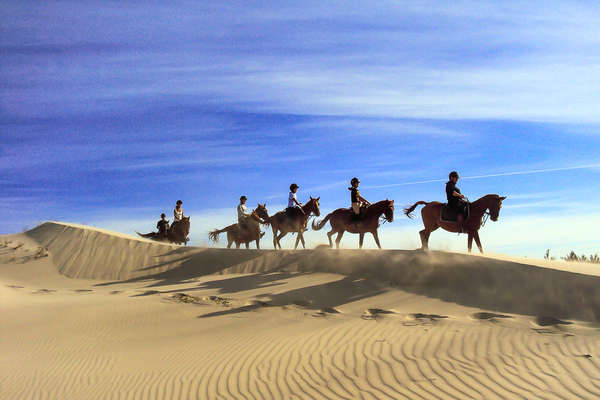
{"points": [[484, 218]]}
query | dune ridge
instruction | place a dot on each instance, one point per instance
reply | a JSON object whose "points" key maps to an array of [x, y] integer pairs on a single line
{"points": [[503, 285]]}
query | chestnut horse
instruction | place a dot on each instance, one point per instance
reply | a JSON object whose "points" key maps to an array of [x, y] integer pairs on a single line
{"points": [[177, 233], [297, 223], [341, 221], [431, 214], [238, 235]]}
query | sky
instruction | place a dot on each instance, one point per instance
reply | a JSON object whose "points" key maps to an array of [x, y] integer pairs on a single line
{"points": [[110, 111]]}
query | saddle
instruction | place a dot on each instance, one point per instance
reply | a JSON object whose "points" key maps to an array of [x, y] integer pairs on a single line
{"points": [[292, 212], [450, 214]]}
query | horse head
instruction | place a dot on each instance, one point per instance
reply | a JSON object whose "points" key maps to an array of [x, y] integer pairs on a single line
{"points": [[495, 206], [313, 206], [261, 211], [389, 210]]}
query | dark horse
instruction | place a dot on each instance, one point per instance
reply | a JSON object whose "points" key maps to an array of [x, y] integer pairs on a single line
{"points": [[296, 223], [177, 233], [341, 221], [431, 214], [238, 235]]}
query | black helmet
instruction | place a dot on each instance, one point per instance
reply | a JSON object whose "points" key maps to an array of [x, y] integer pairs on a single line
{"points": [[293, 186], [355, 179], [162, 215], [179, 202], [453, 174], [243, 198]]}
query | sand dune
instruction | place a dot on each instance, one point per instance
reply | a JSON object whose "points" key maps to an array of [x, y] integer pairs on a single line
{"points": [[92, 314]]}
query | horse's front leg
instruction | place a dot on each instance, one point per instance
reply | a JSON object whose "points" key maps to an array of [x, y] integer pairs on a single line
{"points": [[299, 237], [281, 235], [274, 237], [470, 242], [338, 239], [361, 238], [376, 237], [477, 241], [302, 239], [247, 245], [258, 244]]}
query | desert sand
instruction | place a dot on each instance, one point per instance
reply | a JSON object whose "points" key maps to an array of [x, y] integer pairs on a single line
{"points": [[92, 314]]}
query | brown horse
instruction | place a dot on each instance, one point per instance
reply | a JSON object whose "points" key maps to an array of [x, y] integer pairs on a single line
{"points": [[431, 214], [341, 221], [239, 235], [177, 233], [296, 223]]}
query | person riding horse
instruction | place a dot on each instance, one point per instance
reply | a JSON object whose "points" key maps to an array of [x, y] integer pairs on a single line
{"points": [[243, 214], [456, 200], [357, 201], [177, 212], [163, 226], [294, 206]]}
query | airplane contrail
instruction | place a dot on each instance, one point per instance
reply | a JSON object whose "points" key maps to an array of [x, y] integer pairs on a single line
{"points": [[528, 172]]}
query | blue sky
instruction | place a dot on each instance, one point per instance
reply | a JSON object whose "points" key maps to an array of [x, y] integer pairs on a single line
{"points": [[110, 111]]}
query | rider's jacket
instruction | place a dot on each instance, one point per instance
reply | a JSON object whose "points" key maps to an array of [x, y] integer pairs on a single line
{"points": [[178, 215], [354, 193], [291, 198], [453, 201], [162, 226], [242, 211]]}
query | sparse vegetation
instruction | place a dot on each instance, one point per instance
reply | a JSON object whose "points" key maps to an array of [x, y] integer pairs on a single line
{"points": [[572, 256]]}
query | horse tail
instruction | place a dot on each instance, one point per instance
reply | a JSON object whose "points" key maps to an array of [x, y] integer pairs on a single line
{"points": [[145, 235], [214, 235], [409, 210], [321, 224]]}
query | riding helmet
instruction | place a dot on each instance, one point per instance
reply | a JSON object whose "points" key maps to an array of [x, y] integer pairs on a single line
{"points": [[243, 198], [179, 202], [453, 174], [293, 186], [355, 179]]}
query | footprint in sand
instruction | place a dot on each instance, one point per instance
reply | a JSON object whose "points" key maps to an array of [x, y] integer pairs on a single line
{"points": [[116, 291], [374, 313], [82, 290], [146, 293], [424, 319], [323, 312], [488, 316], [44, 291], [184, 298], [550, 321], [15, 286]]}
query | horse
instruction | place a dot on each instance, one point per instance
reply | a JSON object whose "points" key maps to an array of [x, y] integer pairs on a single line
{"points": [[296, 223], [431, 215], [342, 220], [239, 235], [177, 233]]}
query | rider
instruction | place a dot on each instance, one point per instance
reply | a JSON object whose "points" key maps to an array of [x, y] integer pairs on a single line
{"points": [[357, 200], [242, 213], [162, 225], [293, 204], [178, 212], [456, 200]]}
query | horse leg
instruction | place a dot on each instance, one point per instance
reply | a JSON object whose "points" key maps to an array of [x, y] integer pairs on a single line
{"points": [[470, 242], [361, 237], [298, 238], [338, 238], [376, 237], [282, 234], [302, 239], [258, 244], [237, 245], [477, 241], [424, 239], [329, 234], [247, 245], [274, 237]]}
